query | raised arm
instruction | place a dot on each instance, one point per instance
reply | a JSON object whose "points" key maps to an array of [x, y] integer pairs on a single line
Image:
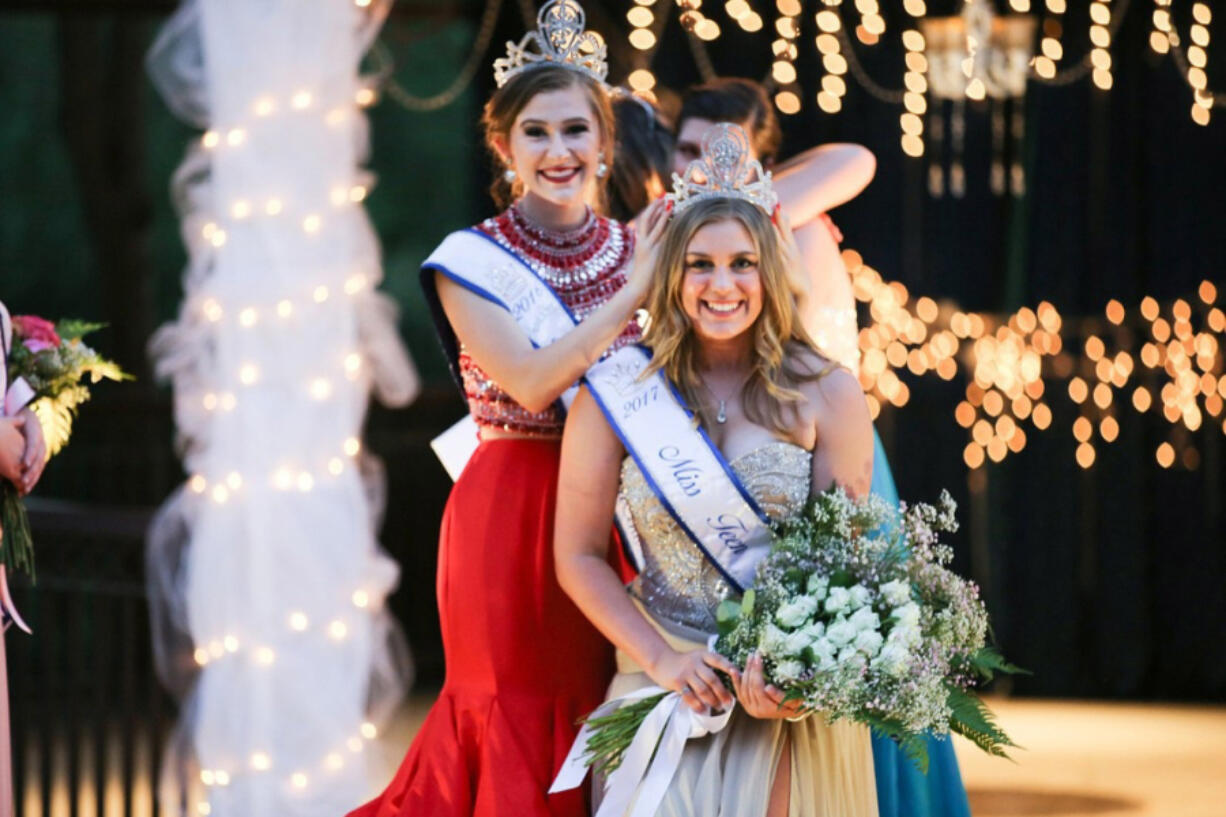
{"points": [[822, 178], [844, 452], [537, 377], [534, 377], [587, 491]]}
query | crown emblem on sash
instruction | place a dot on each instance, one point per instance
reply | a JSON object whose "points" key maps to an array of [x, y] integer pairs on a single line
{"points": [[624, 375], [725, 170], [560, 39]]}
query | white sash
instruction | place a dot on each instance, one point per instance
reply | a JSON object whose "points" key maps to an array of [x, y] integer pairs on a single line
{"points": [[483, 266], [683, 467]]}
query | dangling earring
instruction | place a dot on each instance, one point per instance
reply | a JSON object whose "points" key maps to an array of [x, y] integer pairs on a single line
{"points": [[509, 175], [602, 169]]}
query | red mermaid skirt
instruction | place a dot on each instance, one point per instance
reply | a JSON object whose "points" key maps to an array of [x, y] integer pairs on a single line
{"points": [[523, 664]]}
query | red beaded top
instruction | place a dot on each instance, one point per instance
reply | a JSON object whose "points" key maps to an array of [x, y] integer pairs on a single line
{"points": [[585, 267]]}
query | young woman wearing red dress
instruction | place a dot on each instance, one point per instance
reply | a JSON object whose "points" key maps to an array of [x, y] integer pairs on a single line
{"points": [[523, 664]]}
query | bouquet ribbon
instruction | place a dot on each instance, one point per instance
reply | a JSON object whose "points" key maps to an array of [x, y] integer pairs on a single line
{"points": [[664, 732]]}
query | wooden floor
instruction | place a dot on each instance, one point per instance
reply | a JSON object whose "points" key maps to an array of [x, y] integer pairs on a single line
{"points": [[1102, 760], [1081, 759]]}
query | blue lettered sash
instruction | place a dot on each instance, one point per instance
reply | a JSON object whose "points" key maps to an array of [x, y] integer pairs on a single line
{"points": [[683, 467], [478, 263]]}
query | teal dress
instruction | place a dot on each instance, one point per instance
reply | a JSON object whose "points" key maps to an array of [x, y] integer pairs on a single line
{"points": [[902, 789]]}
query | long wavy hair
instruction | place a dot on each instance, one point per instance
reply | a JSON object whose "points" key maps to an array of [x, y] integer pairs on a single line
{"points": [[507, 102], [783, 353]]}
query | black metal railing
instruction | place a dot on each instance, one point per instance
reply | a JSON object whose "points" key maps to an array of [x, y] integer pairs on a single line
{"points": [[89, 717]]}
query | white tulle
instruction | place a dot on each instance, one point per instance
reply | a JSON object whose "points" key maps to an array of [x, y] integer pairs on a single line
{"points": [[265, 577]]}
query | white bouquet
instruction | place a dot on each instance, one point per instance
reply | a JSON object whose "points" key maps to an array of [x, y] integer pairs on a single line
{"points": [[857, 616]]}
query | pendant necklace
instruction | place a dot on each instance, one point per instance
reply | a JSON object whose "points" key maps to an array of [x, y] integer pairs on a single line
{"points": [[721, 416]]}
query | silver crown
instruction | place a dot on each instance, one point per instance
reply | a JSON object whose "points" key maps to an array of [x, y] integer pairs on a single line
{"points": [[559, 40], [726, 171]]}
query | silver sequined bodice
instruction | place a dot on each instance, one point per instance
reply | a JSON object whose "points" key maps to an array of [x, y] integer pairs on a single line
{"points": [[678, 586]]}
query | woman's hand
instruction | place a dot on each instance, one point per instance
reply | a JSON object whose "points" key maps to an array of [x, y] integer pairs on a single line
{"points": [[799, 280], [648, 230], [762, 700], [34, 457], [693, 675], [12, 446]]}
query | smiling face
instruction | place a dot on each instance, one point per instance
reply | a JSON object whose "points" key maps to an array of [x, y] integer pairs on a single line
{"points": [[721, 291], [554, 147]]}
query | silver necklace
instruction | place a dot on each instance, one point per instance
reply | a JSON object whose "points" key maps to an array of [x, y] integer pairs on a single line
{"points": [[721, 416]]}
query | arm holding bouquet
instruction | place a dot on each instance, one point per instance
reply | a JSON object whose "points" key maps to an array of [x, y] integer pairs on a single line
{"points": [[45, 364], [587, 489]]}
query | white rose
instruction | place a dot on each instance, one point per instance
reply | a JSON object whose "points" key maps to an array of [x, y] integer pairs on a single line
{"points": [[788, 671], [865, 619], [892, 660], [796, 642], [796, 612], [841, 632], [773, 641], [896, 593], [868, 642], [908, 614], [852, 657], [905, 635], [814, 629], [860, 596], [837, 599], [817, 586], [825, 652]]}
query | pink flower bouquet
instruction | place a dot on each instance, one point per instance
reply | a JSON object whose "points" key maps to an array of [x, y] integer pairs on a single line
{"points": [[53, 361]]}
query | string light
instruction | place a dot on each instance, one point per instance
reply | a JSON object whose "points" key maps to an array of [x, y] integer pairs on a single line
{"points": [[1051, 51], [695, 22], [641, 18], [1006, 359], [914, 100], [744, 15], [783, 70], [872, 24], [834, 85], [1198, 59], [1163, 33], [1100, 38]]}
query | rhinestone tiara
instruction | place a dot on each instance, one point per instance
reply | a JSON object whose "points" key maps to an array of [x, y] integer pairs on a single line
{"points": [[725, 170], [560, 39]]}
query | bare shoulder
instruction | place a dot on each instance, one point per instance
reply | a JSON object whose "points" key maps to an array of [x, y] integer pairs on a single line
{"points": [[829, 383], [840, 388]]}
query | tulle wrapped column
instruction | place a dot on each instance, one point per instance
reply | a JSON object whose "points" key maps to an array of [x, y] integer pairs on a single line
{"points": [[265, 577]]}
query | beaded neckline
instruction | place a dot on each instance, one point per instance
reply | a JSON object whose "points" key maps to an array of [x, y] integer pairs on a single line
{"points": [[565, 260], [559, 241]]}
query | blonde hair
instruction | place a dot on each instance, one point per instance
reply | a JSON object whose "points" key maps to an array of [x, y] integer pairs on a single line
{"points": [[782, 351], [505, 105]]}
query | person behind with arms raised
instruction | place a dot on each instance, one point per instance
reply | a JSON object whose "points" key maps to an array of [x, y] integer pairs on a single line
{"points": [[525, 302], [759, 422]]}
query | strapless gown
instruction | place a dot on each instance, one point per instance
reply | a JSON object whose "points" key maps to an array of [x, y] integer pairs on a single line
{"points": [[729, 773], [902, 789]]}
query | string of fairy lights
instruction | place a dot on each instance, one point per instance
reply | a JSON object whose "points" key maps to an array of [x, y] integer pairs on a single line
{"points": [[837, 51], [1012, 362], [298, 304]]}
